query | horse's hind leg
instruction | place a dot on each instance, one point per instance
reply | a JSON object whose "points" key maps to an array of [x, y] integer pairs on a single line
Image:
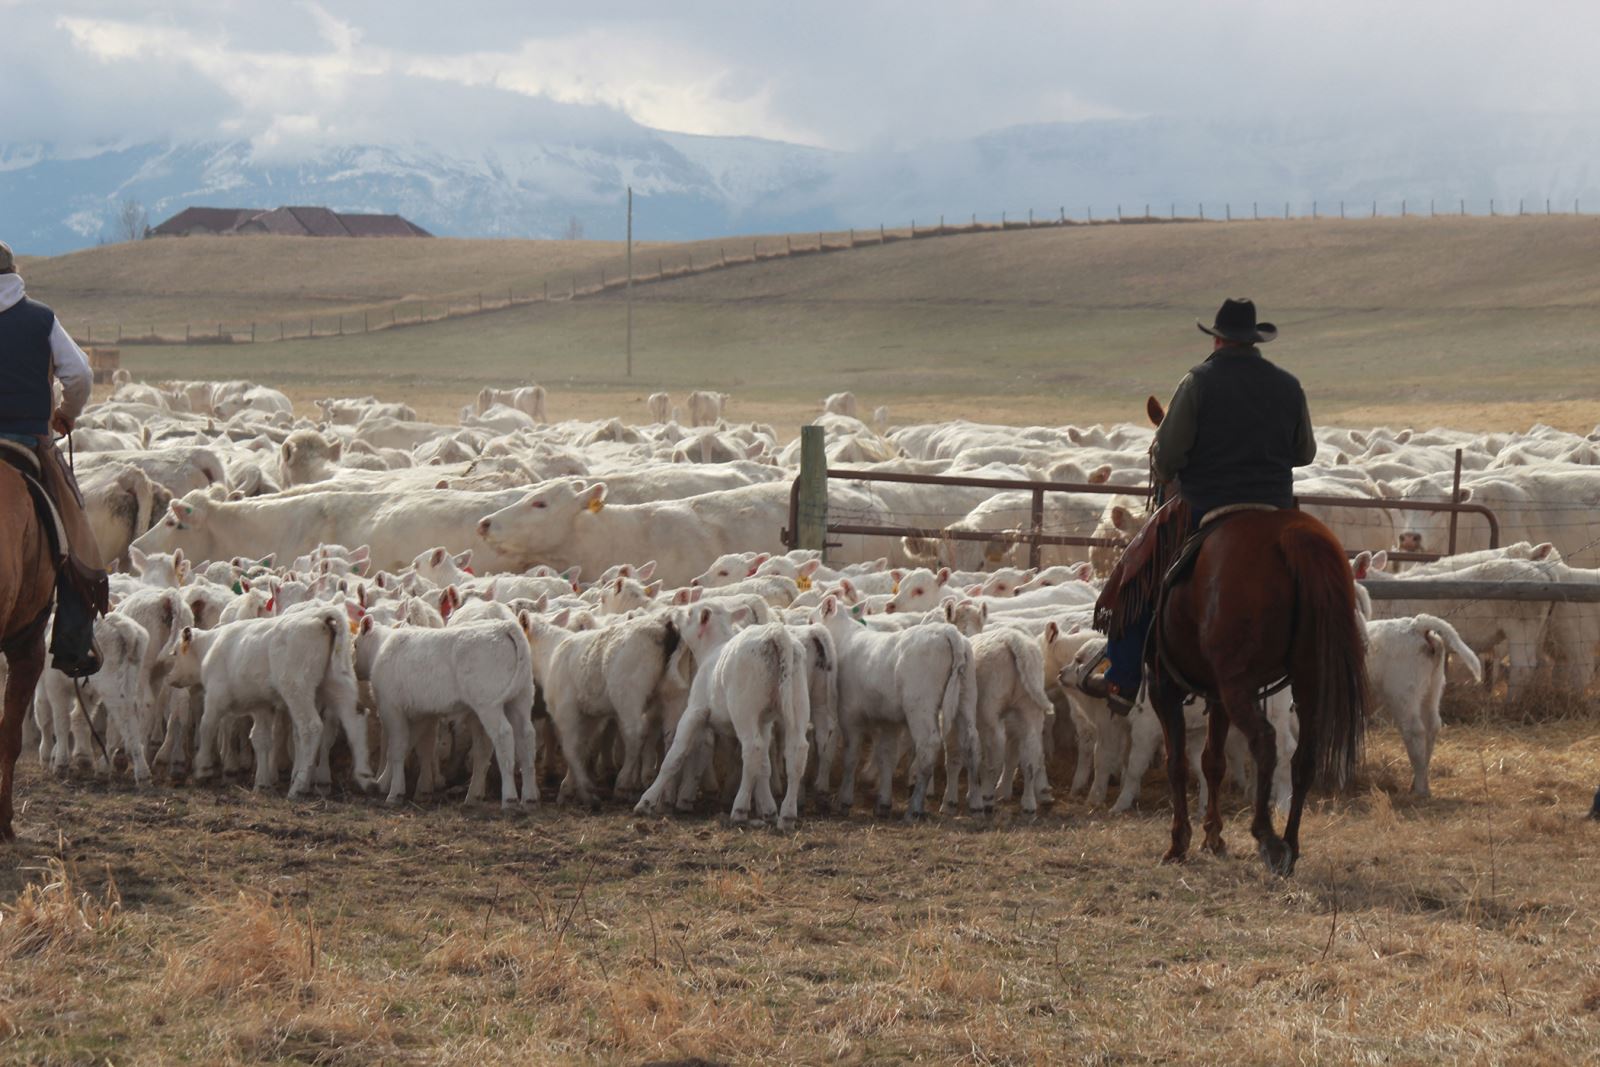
{"points": [[1303, 767], [1168, 703], [1215, 764], [1252, 722]]}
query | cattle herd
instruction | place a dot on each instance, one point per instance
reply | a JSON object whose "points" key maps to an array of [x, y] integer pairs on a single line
{"points": [[608, 606]]}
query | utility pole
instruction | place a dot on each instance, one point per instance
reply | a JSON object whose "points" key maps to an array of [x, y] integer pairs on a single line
{"points": [[630, 281]]}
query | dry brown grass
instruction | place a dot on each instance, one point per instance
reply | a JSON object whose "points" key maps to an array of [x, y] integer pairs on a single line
{"points": [[1461, 928]]}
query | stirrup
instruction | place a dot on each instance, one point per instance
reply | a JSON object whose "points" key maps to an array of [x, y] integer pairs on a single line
{"points": [[1097, 656]]}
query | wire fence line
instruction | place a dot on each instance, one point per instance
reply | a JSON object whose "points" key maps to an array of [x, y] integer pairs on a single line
{"points": [[721, 254]]}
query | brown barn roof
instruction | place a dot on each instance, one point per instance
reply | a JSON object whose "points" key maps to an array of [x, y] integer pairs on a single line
{"points": [[204, 220], [287, 222]]}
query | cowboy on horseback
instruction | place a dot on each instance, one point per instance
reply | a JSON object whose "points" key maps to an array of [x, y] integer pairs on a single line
{"points": [[1235, 430], [36, 351]]}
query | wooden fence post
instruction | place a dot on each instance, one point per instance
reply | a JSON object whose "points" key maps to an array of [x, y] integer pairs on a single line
{"points": [[185, 332], [880, 233], [788, 246], [366, 322], [811, 522], [119, 333], [341, 325], [252, 333], [547, 289]]}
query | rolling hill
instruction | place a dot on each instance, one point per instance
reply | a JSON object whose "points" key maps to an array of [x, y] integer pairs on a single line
{"points": [[1467, 321]]}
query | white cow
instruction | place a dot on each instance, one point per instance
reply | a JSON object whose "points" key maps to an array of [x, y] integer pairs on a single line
{"points": [[484, 669], [753, 685], [921, 680], [300, 663], [1405, 669]]}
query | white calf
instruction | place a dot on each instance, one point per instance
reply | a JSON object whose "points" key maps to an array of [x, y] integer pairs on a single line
{"points": [[750, 685], [484, 669], [1405, 669], [922, 680], [300, 664], [119, 687], [1011, 710], [596, 676]]}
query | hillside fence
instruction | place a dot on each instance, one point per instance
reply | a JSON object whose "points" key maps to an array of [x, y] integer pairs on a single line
{"points": [[710, 256]]}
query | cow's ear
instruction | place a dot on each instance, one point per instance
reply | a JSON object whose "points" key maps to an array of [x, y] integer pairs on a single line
{"points": [[653, 590], [1051, 632], [438, 557], [942, 577], [950, 611], [645, 571], [620, 582], [367, 623], [741, 614], [186, 638]]}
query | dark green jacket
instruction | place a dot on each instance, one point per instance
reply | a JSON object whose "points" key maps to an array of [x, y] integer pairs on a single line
{"points": [[1235, 430]]}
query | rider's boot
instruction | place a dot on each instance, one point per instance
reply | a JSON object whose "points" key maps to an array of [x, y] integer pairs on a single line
{"points": [[73, 650], [1098, 685]]}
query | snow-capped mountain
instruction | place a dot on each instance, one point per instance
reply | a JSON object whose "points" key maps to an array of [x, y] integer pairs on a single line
{"points": [[54, 200]]}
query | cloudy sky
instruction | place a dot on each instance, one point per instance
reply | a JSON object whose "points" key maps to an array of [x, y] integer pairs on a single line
{"points": [[286, 74]]}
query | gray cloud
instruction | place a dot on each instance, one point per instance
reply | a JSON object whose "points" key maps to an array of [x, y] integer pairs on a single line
{"points": [[846, 75]]}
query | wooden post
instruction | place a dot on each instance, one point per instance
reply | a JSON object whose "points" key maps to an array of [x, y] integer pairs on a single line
{"points": [[252, 333], [722, 252], [547, 289], [1463, 207], [661, 270], [1036, 528], [1341, 209], [1313, 209], [1063, 215], [119, 333], [1227, 212], [880, 233], [366, 322], [311, 326], [1402, 208], [1202, 210], [1030, 217], [1455, 498], [341, 326], [1491, 207], [480, 301], [1374, 209], [811, 522], [185, 332], [788, 246]]}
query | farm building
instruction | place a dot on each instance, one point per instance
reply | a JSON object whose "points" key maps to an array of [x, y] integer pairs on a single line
{"points": [[284, 222]]}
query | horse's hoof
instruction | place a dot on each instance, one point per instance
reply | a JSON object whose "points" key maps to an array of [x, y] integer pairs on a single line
{"points": [[1278, 858], [1216, 846], [1175, 856]]}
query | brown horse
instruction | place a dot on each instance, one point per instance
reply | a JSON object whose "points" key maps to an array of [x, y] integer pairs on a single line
{"points": [[1270, 597], [27, 578]]}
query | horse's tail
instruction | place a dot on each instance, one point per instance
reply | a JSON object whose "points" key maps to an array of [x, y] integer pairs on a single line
{"points": [[1331, 649]]}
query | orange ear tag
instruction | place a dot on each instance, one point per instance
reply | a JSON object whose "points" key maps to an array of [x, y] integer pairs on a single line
{"points": [[802, 583], [596, 505]]}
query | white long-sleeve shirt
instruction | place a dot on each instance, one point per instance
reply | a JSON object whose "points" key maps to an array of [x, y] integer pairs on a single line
{"points": [[67, 361]]}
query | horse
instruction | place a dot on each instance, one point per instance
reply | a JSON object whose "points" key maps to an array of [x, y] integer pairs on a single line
{"points": [[27, 581], [1269, 598]]}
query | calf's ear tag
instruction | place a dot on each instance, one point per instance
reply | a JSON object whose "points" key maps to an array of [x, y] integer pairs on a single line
{"points": [[596, 505], [802, 583]]}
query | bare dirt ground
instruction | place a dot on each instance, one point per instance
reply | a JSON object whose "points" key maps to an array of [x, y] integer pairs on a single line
{"points": [[209, 925]]}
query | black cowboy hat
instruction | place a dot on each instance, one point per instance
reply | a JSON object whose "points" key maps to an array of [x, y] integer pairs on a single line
{"points": [[1236, 321]]}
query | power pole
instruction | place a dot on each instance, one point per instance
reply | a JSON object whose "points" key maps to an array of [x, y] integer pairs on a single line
{"points": [[630, 281]]}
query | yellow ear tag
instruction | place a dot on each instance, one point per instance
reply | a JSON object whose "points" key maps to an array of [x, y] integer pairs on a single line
{"points": [[596, 505], [895, 590], [355, 627], [802, 583]]}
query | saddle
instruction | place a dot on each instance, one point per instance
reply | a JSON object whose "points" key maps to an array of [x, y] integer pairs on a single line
{"points": [[25, 462], [1134, 583]]}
